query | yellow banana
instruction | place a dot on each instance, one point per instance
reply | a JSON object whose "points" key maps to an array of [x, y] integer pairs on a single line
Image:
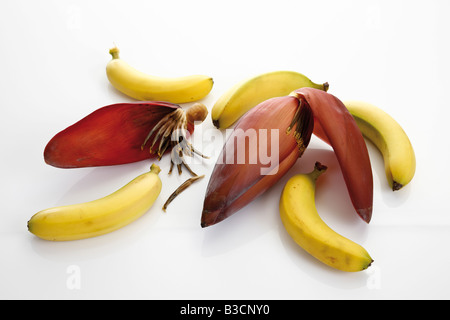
{"points": [[389, 137], [300, 218], [247, 93], [100, 216], [141, 86]]}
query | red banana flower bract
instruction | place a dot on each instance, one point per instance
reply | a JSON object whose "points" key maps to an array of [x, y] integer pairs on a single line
{"points": [[114, 135], [334, 124], [233, 183]]}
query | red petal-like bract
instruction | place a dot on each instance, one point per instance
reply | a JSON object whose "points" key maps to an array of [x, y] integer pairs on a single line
{"points": [[334, 124], [235, 180], [110, 135]]}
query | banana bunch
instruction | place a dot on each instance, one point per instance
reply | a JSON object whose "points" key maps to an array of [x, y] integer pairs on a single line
{"points": [[101, 216], [302, 222], [142, 86]]}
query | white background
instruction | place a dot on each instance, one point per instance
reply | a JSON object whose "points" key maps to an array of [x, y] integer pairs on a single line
{"points": [[53, 54]]}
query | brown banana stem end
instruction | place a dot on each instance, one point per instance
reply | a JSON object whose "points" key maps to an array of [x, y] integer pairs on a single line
{"points": [[319, 168], [396, 186], [216, 123]]}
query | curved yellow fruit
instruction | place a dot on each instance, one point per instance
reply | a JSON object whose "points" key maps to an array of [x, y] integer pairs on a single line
{"points": [[300, 218], [390, 138], [142, 86], [90, 219], [248, 93]]}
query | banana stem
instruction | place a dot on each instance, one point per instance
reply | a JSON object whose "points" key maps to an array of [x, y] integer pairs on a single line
{"points": [[318, 170], [155, 168], [114, 52]]}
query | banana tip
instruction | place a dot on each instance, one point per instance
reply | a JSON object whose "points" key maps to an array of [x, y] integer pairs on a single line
{"points": [[396, 186], [211, 217], [216, 123], [368, 265], [205, 222]]}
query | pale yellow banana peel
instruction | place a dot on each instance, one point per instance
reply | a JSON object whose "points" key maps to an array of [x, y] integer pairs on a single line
{"points": [[389, 137], [101, 216], [145, 87], [302, 222]]}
